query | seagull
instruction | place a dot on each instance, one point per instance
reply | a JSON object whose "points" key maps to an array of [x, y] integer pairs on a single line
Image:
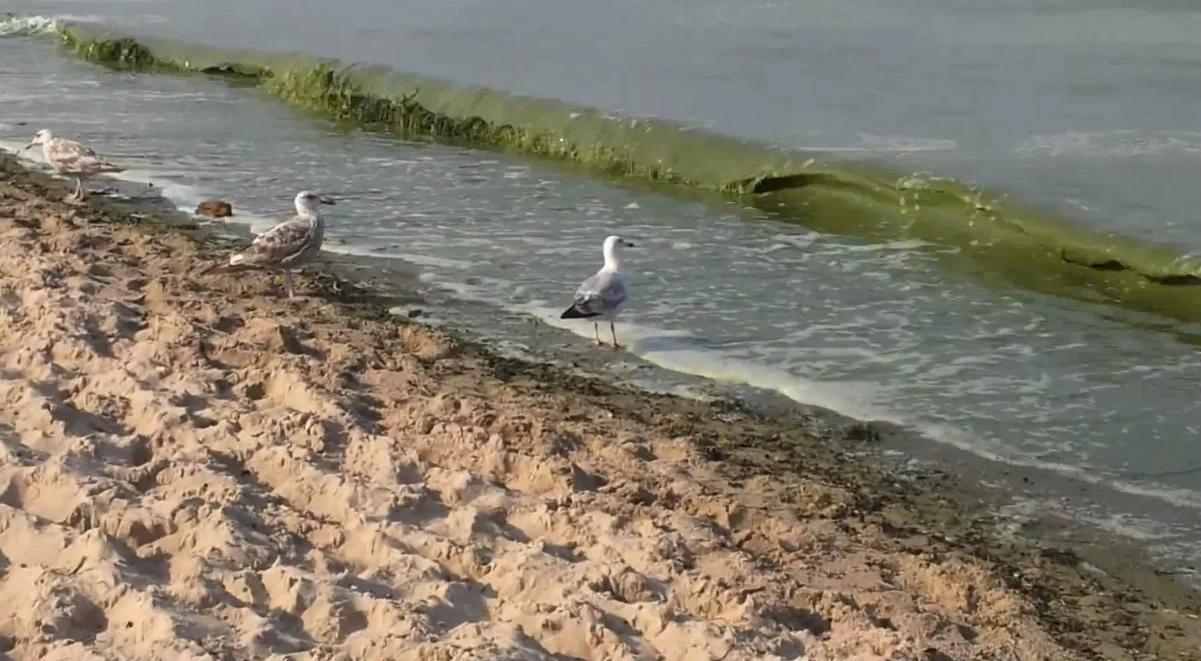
{"points": [[73, 159], [285, 246], [603, 294]]}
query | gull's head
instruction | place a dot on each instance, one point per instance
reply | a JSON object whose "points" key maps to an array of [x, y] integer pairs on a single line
{"points": [[307, 202], [613, 246], [614, 243], [39, 138]]}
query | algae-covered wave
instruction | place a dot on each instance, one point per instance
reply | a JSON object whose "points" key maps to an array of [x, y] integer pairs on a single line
{"points": [[1026, 247]]}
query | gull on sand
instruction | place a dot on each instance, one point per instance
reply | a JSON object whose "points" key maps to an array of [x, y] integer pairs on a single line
{"points": [[73, 159], [286, 246], [602, 295]]}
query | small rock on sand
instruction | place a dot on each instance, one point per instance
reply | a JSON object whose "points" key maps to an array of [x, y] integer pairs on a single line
{"points": [[215, 209]]}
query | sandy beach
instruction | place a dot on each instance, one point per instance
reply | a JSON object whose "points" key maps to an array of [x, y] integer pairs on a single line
{"points": [[195, 467]]}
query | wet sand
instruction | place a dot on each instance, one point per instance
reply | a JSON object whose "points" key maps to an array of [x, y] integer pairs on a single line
{"points": [[195, 467]]}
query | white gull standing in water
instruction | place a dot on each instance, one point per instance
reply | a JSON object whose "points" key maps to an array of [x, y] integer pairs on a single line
{"points": [[602, 295], [73, 159], [286, 246]]}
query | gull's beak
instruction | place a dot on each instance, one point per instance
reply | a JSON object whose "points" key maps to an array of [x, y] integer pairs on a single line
{"points": [[31, 145], [326, 200], [628, 244]]}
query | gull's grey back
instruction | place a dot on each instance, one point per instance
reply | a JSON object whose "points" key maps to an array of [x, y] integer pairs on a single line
{"points": [[603, 293]]}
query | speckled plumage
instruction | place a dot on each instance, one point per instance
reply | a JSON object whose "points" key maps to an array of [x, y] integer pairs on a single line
{"points": [[289, 244], [73, 159]]}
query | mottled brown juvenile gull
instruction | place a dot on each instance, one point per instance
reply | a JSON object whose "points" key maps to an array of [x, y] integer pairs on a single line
{"points": [[602, 295], [286, 246], [73, 159]]}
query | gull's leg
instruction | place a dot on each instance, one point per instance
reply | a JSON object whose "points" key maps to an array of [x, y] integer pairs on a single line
{"points": [[80, 189], [613, 331], [288, 283], [596, 334]]}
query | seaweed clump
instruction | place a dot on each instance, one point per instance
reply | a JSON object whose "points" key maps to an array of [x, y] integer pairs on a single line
{"points": [[329, 90], [334, 92], [121, 52]]}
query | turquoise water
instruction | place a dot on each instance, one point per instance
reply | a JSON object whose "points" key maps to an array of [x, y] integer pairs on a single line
{"points": [[872, 329]]}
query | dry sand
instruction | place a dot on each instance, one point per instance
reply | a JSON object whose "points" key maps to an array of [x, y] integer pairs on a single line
{"points": [[195, 468]]}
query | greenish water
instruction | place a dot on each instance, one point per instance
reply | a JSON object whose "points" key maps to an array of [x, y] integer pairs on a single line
{"points": [[1044, 318], [1037, 250]]}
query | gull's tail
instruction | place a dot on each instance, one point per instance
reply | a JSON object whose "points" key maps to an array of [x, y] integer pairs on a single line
{"points": [[575, 313], [100, 166], [235, 264]]}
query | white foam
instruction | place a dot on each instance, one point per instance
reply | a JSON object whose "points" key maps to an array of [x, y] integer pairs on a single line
{"points": [[412, 258], [138, 19], [903, 143], [185, 197], [29, 26], [1111, 143], [886, 144], [25, 26], [970, 443], [14, 147], [684, 353]]}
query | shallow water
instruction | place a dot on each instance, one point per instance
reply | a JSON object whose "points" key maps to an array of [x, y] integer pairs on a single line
{"points": [[873, 330], [1092, 109]]}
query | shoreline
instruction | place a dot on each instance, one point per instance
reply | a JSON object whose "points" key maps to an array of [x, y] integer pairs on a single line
{"points": [[501, 469], [1061, 256]]}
